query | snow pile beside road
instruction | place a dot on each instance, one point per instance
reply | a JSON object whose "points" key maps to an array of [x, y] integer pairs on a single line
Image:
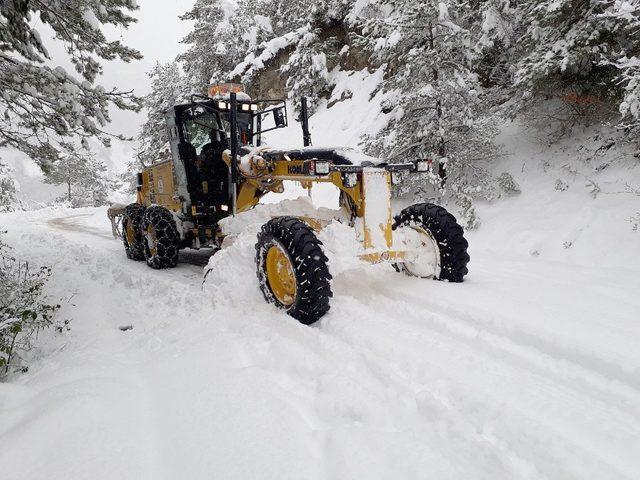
{"points": [[577, 204]]}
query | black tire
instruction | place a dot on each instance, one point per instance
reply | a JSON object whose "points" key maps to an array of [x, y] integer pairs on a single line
{"points": [[447, 233], [132, 231], [161, 251], [312, 277]]}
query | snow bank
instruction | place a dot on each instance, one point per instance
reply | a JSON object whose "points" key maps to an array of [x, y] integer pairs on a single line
{"points": [[576, 205]]}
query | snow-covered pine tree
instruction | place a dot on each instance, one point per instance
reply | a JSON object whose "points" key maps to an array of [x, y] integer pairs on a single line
{"points": [[215, 44], [259, 57], [226, 33], [567, 43], [495, 26], [41, 107], [8, 189], [166, 90], [315, 38], [306, 71], [85, 178], [284, 16], [624, 17], [258, 15], [433, 98]]}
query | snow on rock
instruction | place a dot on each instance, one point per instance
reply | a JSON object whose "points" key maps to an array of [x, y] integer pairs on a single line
{"points": [[348, 118]]}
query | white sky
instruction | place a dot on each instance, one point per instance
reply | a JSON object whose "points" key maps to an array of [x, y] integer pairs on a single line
{"points": [[157, 35]]}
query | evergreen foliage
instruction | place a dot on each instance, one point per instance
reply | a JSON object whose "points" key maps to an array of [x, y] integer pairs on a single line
{"points": [[41, 106], [218, 41], [85, 178], [8, 189], [306, 71], [166, 90], [434, 98], [24, 308]]}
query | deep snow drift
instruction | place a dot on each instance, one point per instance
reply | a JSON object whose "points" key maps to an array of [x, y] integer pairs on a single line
{"points": [[529, 369]]}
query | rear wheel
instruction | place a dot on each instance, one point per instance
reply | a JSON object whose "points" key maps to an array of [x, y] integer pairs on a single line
{"points": [[434, 241], [292, 269], [132, 231], [162, 240]]}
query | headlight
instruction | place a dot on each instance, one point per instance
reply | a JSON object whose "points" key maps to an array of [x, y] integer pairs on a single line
{"points": [[254, 107], [224, 208], [423, 165], [350, 179], [222, 105], [245, 107], [322, 168]]}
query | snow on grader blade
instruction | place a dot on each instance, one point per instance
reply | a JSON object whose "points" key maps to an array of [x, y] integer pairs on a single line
{"points": [[218, 168]]}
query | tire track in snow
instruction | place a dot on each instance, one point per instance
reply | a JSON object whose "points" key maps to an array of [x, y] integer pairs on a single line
{"points": [[71, 224], [362, 389], [383, 337], [549, 358]]}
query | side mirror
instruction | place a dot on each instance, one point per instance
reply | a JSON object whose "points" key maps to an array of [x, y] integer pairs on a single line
{"points": [[279, 117]]}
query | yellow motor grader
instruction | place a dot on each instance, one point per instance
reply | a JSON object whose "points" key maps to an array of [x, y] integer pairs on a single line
{"points": [[219, 168]]}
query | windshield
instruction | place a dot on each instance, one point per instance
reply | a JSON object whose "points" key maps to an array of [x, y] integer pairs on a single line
{"points": [[199, 129], [200, 126], [244, 127]]}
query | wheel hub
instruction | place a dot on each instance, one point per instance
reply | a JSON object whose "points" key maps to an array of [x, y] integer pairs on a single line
{"points": [[422, 257], [281, 275]]}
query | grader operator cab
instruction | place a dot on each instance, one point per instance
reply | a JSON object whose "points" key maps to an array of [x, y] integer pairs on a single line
{"points": [[219, 168]]}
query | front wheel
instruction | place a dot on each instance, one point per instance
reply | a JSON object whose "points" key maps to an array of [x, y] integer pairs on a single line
{"points": [[162, 240], [292, 269], [435, 243]]}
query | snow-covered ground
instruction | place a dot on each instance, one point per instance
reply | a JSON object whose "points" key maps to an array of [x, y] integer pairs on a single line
{"points": [[529, 369]]}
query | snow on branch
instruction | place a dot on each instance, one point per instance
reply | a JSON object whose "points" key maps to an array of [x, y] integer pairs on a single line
{"points": [[266, 51]]}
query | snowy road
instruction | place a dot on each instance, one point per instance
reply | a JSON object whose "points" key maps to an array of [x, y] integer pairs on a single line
{"points": [[530, 369]]}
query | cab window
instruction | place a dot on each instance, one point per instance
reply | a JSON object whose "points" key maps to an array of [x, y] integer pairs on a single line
{"points": [[244, 127], [198, 129]]}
